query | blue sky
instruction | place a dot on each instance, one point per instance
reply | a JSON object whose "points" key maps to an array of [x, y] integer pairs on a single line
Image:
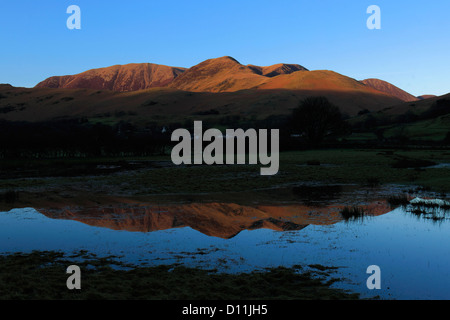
{"points": [[411, 50]]}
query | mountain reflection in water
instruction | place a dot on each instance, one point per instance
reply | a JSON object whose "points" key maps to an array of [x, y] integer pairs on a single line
{"points": [[409, 243], [223, 220]]}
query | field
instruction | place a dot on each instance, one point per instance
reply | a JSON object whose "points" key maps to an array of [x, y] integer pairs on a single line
{"points": [[98, 180], [42, 275]]}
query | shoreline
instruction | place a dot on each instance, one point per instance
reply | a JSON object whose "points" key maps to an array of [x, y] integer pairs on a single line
{"points": [[41, 275]]}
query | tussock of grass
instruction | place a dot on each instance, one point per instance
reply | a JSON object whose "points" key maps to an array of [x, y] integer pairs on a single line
{"points": [[398, 200]]}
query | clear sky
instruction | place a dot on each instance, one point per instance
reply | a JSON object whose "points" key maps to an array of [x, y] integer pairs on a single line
{"points": [[411, 50]]}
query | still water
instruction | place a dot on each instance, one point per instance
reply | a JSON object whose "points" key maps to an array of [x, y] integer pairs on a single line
{"points": [[412, 251]]}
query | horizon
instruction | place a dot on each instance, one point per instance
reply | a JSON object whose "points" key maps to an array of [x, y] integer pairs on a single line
{"points": [[319, 36]]}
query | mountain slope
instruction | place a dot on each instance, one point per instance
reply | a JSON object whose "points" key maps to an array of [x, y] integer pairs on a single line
{"points": [[130, 77], [168, 105], [349, 95], [223, 74], [220, 88], [426, 96], [226, 74], [316, 80], [277, 69], [389, 88]]}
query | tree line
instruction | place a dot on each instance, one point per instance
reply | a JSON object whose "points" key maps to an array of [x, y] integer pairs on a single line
{"points": [[314, 122], [78, 138]]}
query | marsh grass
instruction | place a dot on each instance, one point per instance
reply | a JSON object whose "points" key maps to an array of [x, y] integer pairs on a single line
{"points": [[433, 214], [404, 163], [373, 182], [427, 204], [430, 210], [313, 163], [398, 200], [42, 275], [353, 213], [360, 167]]}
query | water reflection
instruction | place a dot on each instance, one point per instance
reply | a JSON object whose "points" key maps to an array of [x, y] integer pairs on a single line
{"points": [[434, 210], [413, 254], [223, 220]]}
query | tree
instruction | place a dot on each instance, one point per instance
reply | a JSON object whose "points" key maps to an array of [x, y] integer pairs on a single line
{"points": [[316, 118]]}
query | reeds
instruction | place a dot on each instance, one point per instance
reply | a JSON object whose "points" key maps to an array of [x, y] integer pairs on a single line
{"points": [[398, 200], [353, 213], [435, 210]]}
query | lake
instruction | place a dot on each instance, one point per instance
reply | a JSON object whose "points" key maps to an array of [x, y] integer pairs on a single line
{"points": [[410, 244]]}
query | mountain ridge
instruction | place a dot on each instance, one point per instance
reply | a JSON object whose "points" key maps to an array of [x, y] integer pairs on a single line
{"points": [[219, 86], [128, 77], [222, 74]]}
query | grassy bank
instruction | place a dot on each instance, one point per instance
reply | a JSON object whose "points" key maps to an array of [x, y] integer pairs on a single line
{"points": [[42, 275], [97, 178]]}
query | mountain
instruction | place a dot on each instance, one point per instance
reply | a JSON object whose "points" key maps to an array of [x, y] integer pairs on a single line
{"points": [[223, 74], [426, 96], [348, 94], [220, 88], [321, 80], [130, 77], [389, 88], [277, 69], [226, 74]]}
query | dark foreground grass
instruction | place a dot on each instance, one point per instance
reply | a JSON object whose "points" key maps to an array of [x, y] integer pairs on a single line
{"points": [[42, 275]]}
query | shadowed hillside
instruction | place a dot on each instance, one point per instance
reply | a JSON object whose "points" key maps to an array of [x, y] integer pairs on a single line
{"points": [[168, 105]]}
